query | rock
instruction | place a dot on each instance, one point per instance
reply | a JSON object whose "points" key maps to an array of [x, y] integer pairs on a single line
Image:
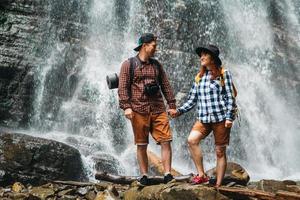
{"points": [[284, 195], [34, 160], [23, 25], [66, 192], [174, 191], [189, 192], [42, 192], [234, 173], [293, 188], [17, 187], [91, 195], [271, 185], [106, 195], [107, 163], [289, 182], [82, 191]]}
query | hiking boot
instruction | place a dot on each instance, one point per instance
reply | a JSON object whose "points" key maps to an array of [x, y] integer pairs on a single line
{"points": [[212, 181], [168, 178], [199, 180], [144, 181]]}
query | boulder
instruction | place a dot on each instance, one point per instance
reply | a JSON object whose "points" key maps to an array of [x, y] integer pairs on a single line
{"points": [[33, 160], [173, 191], [107, 163], [273, 185], [234, 173]]}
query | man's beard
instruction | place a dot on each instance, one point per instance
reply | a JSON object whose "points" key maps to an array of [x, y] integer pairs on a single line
{"points": [[152, 53]]}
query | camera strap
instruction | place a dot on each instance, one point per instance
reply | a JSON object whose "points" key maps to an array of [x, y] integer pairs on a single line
{"points": [[152, 61]]}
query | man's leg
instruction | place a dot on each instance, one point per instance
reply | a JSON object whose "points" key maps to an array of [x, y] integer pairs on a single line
{"points": [[166, 156], [195, 150], [142, 158], [221, 163]]}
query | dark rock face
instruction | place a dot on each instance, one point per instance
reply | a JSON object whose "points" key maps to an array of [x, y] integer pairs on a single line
{"points": [[35, 160], [28, 32]]}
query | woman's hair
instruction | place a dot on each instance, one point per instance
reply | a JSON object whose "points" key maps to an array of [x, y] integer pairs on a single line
{"points": [[215, 71]]}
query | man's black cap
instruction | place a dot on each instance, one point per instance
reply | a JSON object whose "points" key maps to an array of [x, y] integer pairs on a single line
{"points": [[145, 38]]}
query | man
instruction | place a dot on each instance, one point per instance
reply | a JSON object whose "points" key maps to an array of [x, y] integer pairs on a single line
{"points": [[141, 85]]}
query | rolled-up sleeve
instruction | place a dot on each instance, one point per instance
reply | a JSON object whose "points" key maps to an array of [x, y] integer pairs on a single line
{"points": [[192, 100], [124, 86]]}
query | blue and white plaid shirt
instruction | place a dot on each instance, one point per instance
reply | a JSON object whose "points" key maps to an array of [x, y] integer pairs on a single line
{"points": [[214, 102]]}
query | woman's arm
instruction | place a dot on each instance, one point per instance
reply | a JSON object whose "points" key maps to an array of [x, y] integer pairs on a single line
{"points": [[191, 102], [230, 99]]}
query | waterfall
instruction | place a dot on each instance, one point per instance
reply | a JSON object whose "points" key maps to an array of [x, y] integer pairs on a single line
{"points": [[88, 117], [73, 104], [268, 131]]}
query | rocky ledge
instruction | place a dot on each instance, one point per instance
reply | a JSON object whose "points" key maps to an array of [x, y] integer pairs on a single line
{"points": [[264, 189]]}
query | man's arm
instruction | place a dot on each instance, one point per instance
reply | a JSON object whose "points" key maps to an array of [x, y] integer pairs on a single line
{"points": [[124, 86], [166, 88]]}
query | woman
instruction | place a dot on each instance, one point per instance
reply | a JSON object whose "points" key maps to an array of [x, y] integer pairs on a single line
{"points": [[212, 92]]}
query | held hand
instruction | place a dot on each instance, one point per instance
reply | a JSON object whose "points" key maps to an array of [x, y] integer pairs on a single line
{"points": [[228, 124], [128, 113], [173, 113]]}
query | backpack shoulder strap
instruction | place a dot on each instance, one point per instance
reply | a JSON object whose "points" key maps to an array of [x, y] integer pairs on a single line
{"points": [[197, 78], [159, 67], [223, 81]]}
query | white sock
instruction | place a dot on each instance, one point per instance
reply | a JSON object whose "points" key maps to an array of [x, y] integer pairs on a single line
{"points": [[167, 173]]}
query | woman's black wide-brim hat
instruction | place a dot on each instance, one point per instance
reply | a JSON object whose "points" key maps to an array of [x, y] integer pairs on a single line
{"points": [[212, 50]]}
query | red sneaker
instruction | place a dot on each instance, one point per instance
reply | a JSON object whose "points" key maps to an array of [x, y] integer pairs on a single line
{"points": [[199, 180]]}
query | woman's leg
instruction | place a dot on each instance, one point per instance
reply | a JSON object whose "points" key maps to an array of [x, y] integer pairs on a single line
{"points": [[221, 163], [195, 150], [222, 137]]}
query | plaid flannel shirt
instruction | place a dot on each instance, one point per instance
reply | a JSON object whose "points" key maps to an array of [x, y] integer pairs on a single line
{"points": [[133, 95], [214, 102]]}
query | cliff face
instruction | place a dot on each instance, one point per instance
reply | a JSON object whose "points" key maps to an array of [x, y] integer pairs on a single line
{"points": [[28, 31], [18, 37]]}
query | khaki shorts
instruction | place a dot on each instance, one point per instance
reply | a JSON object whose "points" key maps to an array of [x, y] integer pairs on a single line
{"points": [[156, 124], [221, 133]]}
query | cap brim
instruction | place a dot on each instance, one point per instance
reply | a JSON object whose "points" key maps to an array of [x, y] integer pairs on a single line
{"points": [[203, 49], [138, 47]]}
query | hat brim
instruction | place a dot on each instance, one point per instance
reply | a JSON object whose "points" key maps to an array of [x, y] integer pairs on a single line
{"points": [[203, 49], [138, 47]]}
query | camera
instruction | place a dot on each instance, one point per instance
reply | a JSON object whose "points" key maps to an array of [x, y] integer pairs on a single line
{"points": [[151, 89], [112, 81]]}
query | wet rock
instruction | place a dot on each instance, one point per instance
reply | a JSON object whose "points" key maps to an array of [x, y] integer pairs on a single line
{"points": [[23, 25], [293, 188], [234, 173], [271, 185], [35, 160], [42, 192], [17, 187], [91, 195], [107, 163], [106, 195], [66, 192], [187, 192], [174, 191]]}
